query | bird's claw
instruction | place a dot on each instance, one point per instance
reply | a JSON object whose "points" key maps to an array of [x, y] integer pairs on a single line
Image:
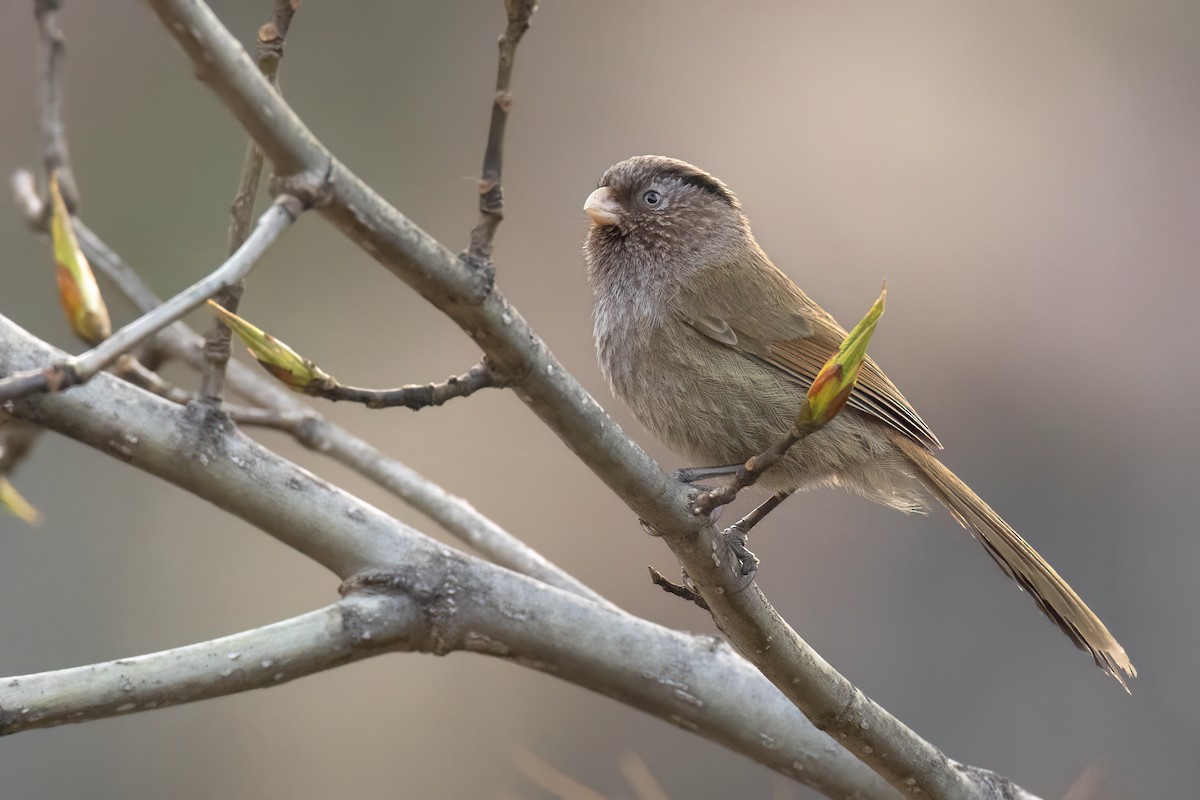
{"points": [[747, 562]]}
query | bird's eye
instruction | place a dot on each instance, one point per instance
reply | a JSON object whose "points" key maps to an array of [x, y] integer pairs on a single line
{"points": [[652, 198]]}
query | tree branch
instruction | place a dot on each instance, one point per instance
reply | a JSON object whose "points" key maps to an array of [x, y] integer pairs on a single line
{"points": [[906, 761], [271, 37], [79, 369], [284, 410], [255, 659], [55, 155], [413, 396], [748, 474], [491, 191], [462, 603]]}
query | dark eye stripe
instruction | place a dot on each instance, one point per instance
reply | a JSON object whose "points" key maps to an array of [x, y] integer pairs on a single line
{"points": [[701, 180], [642, 170]]}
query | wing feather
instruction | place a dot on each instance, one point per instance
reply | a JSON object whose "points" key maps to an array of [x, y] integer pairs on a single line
{"points": [[796, 337]]}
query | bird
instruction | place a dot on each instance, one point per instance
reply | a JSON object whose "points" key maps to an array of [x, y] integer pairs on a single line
{"points": [[713, 348]]}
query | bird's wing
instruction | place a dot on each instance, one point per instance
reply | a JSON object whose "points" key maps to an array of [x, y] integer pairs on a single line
{"points": [[798, 343]]}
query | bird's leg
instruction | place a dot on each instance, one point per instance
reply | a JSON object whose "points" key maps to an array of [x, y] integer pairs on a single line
{"points": [[736, 536], [698, 474]]}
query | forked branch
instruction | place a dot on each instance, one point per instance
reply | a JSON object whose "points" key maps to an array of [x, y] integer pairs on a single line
{"points": [[79, 369]]}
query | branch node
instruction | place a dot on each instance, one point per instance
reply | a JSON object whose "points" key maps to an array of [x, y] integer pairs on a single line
{"points": [[483, 273], [59, 377], [312, 188], [273, 32]]}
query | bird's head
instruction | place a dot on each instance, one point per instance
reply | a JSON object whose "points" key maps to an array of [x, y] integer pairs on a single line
{"points": [[661, 214]]}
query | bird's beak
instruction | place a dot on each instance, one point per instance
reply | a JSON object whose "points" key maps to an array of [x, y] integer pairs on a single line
{"points": [[603, 207]]}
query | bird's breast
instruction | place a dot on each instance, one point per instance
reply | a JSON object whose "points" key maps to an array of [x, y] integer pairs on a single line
{"points": [[707, 403]]}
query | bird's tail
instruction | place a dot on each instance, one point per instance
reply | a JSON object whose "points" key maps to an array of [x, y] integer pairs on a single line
{"points": [[1021, 562]]}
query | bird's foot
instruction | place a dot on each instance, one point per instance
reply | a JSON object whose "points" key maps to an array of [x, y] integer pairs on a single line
{"points": [[746, 562]]}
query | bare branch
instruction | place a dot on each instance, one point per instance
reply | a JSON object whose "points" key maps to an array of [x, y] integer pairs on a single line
{"points": [[748, 474], [271, 38], [177, 444], [413, 396], [906, 761], [79, 369], [491, 191], [668, 586], [55, 155], [133, 371], [513, 349], [139, 375], [462, 603], [283, 410], [249, 417], [102, 257], [453, 513], [255, 659]]}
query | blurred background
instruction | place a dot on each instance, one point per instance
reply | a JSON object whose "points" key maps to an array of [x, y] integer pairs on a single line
{"points": [[1025, 175]]}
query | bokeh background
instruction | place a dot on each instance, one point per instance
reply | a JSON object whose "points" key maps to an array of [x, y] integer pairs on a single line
{"points": [[1026, 176]]}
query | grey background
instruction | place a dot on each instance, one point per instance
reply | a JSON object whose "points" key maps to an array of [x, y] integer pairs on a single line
{"points": [[1024, 174]]}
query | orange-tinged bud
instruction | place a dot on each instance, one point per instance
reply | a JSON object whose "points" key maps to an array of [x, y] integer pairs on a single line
{"points": [[77, 289], [834, 383]]}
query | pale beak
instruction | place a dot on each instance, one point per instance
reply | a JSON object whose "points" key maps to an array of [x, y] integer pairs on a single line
{"points": [[603, 207]]}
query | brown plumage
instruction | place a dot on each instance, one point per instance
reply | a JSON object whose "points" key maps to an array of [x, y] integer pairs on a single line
{"points": [[712, 348]]}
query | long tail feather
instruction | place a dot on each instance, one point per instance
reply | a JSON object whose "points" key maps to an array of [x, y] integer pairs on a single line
{"points": [[1021, 562]]}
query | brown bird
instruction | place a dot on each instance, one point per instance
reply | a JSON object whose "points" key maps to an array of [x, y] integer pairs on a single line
{"points": [[713, 349]]}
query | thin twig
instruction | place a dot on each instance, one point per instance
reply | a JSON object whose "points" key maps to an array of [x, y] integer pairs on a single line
{"points": [[491, 191], [134, 371], [747, 523], [413, 396], [55, 155], [749, 473], [79, 369], [271, 38], [677, 589], [250, 417], [106, 261]]}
